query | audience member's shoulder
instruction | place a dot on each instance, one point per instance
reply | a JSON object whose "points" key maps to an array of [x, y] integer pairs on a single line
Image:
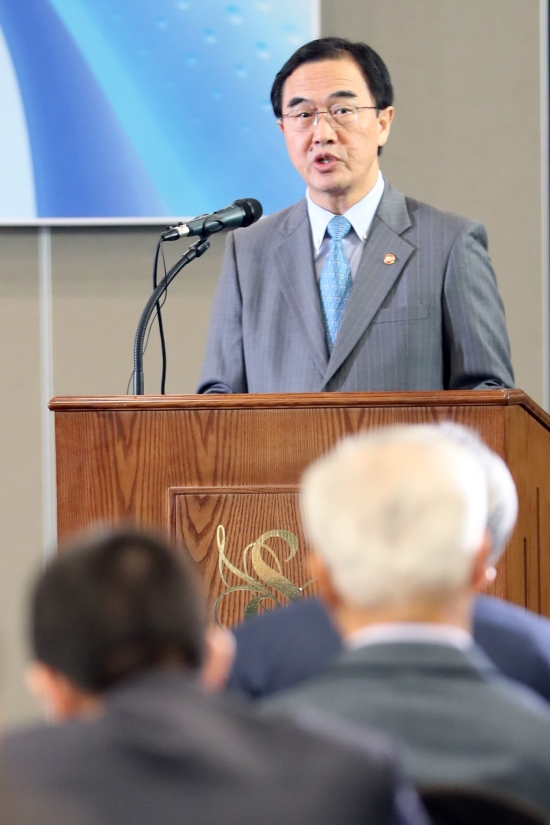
{"points": [[34, 745], [371, 761], [489, 609], [300, 615], [29, 757], [516, 640], [282, 647], [364, 767], [523, 702]]}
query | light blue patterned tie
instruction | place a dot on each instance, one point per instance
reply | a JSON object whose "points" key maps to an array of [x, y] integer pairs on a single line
{"points": [[335, 280]]}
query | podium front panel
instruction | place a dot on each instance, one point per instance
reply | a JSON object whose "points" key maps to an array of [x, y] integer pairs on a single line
{"points": [[194, 467]]}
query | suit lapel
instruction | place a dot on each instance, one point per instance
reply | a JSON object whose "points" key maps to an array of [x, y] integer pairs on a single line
{"points": [[374, 279], [295, 270]]}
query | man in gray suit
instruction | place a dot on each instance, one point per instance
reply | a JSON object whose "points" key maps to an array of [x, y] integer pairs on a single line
{"points": [[398, 520], [356, 287], [118, 638]]}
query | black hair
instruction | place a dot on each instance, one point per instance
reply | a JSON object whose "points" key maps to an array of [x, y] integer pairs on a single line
{"points": [[371, 64], [116, 605]]}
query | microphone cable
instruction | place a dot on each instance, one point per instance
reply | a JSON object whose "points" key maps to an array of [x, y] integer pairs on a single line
{"points": [[160, 304], [159, 313]]}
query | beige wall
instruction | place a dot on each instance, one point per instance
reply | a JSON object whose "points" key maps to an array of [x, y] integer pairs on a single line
{"points": [[100, 282], [466, 138], [20, 451]]}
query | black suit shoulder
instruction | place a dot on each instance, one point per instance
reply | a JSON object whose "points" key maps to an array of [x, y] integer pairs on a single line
{"points": [[163, 752]]}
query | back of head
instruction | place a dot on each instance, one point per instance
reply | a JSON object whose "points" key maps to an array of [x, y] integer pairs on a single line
{"points": [[397, 515], [114, 606]]}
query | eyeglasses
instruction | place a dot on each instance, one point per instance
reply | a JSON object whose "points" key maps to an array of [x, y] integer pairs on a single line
{"points": [[306, 119]]}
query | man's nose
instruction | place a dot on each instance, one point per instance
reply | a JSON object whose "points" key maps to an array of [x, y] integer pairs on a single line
{"points": [[324, 131]]}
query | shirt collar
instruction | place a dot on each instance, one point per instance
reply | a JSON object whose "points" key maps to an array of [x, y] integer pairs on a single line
{"points": [[409, 632], [360, 215]]}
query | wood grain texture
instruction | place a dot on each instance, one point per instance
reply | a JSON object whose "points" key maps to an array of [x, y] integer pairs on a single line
{"points": [[538, 533], [119, 460], [528, 559], [517, 457]]}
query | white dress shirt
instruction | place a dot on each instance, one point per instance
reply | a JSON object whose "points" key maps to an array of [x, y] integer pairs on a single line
{"points": [[360, 215], [409, 632]]}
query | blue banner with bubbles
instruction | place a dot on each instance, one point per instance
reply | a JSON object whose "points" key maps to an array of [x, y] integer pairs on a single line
{"points": [[134, 109]]}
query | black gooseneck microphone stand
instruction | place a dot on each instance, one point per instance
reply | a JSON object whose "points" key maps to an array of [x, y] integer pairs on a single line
{"points": [[195, 251]]}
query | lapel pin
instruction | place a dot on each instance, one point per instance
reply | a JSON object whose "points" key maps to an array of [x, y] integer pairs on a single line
{"points": [[389, 258]]}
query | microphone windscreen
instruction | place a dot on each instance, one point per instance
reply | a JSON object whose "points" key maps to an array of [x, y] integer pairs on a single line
{"points": [[252, 209]]}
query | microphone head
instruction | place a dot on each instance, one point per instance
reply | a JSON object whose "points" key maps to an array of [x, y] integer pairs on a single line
{"points": [[252, 209]]}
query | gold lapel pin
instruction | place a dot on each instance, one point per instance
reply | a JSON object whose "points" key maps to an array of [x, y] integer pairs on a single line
{"points": [[389, 258]]}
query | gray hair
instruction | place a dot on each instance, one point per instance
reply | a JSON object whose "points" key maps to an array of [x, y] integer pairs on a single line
{"points": [[501, 490], [396, 514]]}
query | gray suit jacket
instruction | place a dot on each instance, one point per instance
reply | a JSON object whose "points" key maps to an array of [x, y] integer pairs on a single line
{"points": [[462, 722], [164, 753], [432, 320]]}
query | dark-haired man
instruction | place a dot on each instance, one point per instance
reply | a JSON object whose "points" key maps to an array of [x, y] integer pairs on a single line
{"points": [[356, 287], [117, 633]]}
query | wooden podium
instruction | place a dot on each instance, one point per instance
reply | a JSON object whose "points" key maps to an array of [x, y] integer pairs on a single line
{"points": [[219, 475]]}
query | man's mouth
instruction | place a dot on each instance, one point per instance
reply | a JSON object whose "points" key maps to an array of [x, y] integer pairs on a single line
{"points": [[325, 161]]}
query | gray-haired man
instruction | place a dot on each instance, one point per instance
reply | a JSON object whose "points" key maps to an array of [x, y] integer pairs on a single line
{"points": [[398, 522]]}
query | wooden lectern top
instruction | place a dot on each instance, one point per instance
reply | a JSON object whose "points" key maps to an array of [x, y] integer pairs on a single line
{"points": [[336, 400]]}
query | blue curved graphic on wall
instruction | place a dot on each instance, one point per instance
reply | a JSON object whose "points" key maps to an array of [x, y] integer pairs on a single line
{"points": [[139, 109]]}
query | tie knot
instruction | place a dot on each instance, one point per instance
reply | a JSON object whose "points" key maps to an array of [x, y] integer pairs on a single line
{"points": [[338, 227]]}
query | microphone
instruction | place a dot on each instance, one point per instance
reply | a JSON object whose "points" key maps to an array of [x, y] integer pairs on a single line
{"points": [[240, 213]]}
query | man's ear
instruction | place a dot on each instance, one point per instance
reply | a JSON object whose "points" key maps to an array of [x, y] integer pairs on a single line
{"points": [[385, 119], [482, 573], [61, 697], [220, 653], [320, 575]]}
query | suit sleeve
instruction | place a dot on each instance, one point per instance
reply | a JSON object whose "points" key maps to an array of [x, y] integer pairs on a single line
{"points": [[224, 369], [477, 350]]}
